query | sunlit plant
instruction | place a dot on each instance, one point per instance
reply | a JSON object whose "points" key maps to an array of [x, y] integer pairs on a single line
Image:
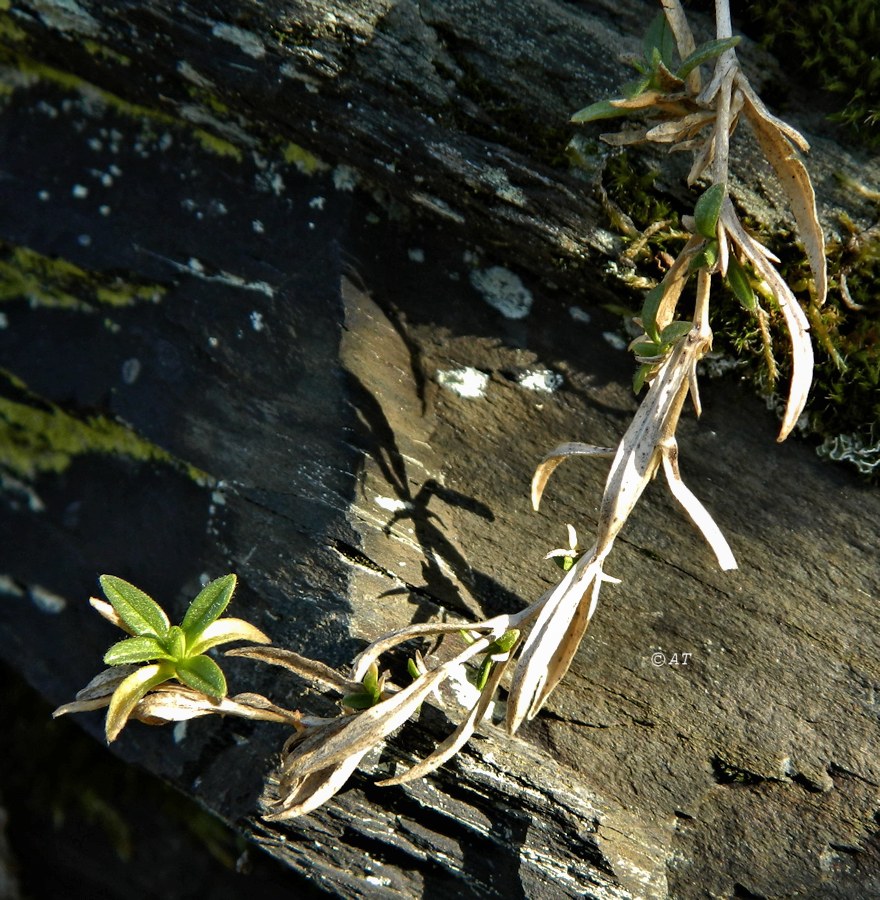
{"points": [[531, 650]]}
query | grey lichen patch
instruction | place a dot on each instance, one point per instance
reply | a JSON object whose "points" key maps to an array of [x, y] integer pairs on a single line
{"points": [[67, 16], [854, 449], [246, 41], [499, 182], [503, 290], [57, 283], [467, 381]]}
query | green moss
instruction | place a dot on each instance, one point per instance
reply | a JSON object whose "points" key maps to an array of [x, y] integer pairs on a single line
{"points": [[834, 45], [57, 283], [96, 49], [9, 31], [37, 436], [298, 156]]}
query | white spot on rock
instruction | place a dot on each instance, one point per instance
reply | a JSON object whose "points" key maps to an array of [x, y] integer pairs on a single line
{"points": [[317, 203], [257, 321], [579, 315], [544, 381], [613, 339], [46, 601], [179, 731], [67, 16], [4, 322], [258, 226], [466, 382], [392, 504], [131, 368], [345, 178], [416, 254], [80, 191], [246, 41], [503, 290], [44, 195]]}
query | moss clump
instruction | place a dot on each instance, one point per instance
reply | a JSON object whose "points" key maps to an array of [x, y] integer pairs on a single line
{"points": [[836, 43], [44, 281], [37, 436]]}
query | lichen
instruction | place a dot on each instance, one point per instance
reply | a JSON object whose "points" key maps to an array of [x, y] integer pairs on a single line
{"points": [[38, 436], [306, 162], [57, 283]]}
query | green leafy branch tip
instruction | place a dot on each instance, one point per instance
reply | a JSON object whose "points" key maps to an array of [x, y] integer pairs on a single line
{"points": [[158, 652]]}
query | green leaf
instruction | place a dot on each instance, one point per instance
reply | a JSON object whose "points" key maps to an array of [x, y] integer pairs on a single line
{"points": [[208, 605], [632, 89], [413, 669], [675, 330], [140, 612], [708, 209], [704, 53], [649, 350], [201, 673], [706, 258], [483, 672], [659, 38], [738, 282], [650, 308], [175, 642], [125, 698], [359, 701], [602, 109], [507, 641], [143, 648], [642, 373], [371, 682]]}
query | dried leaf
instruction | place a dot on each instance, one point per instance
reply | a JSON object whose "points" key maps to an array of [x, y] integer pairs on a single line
{"points": [[309, 669], [775, 140], [795, 319], [549, 463], [698, 513]]}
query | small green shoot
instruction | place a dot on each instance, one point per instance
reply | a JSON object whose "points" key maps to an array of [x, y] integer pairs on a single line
{"points": [[173, 651], [373, 686]]}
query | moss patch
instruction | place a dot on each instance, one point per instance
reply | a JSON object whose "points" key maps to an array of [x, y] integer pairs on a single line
{"points": [[44, 281], [37, 436]]}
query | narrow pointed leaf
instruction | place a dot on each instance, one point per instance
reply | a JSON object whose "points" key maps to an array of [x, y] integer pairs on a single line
{"points": [[659, 37], [774, 138], [707, 210], [129, 692], [201, 673], [224, 630], [698, 513], [143, 648], [139, 611], [602, 109], [554, 458], [208, 605], [738, 282], [175, 642], [704, 53]]}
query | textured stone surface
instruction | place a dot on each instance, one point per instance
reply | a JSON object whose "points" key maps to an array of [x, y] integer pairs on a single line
{"points": [[290, 397]]}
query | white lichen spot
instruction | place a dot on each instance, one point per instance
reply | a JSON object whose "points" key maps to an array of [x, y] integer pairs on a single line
{"points": [[195, 265], [9, 587], [317, 203], [503, 290], [392, 504], [269, 182], [500, 183], [218, 498], [46, 601], [4, 322], [84, 240], [345, 178], [613, 339], [258, 226], [67, 16], [545, 381], [579, 315], [44, 196], [193, 75], [213, 342], [80, 191], [466, 382], [131, 368], [257, 321], [179, 731], [104, 210], [246, 41], [416, 254]]}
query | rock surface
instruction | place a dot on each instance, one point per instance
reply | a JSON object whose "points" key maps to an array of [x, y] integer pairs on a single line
{"points": [[218, 357]]}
